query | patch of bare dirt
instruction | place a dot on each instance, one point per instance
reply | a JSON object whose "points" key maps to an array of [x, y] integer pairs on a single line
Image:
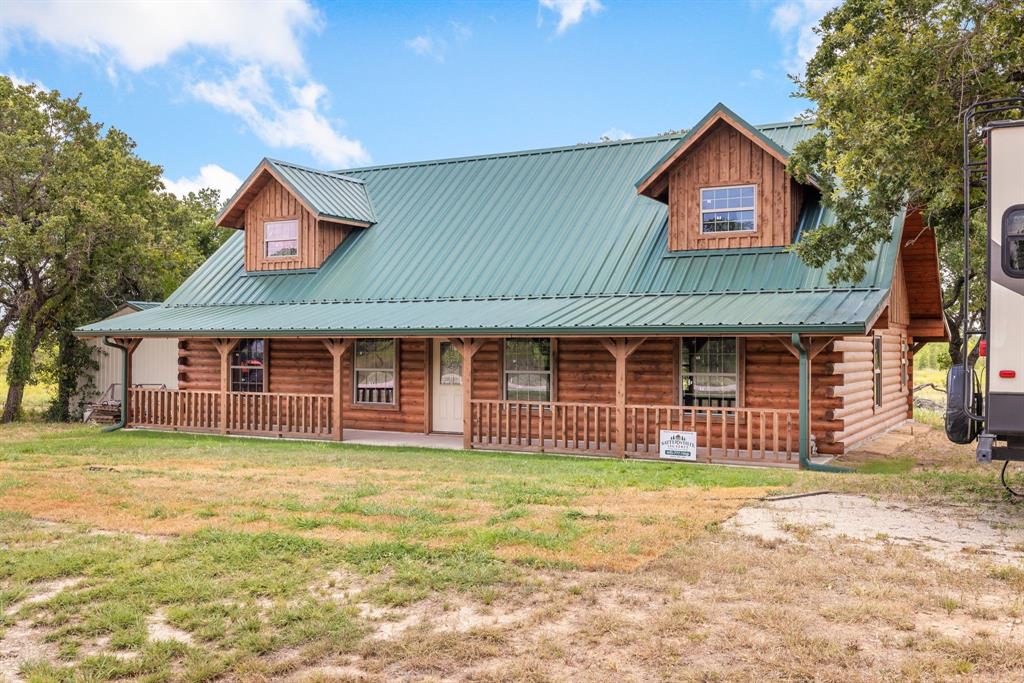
{"points": [[157, 628], [945, 533], [23, 643]]}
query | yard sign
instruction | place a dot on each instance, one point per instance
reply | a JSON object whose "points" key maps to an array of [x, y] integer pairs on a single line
{"points": [[677, 445]]}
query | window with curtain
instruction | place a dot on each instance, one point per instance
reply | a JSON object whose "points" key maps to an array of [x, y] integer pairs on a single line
{"points": [[709, 372], [248, 366], [375, 371], [281, 238], [527, 369]]}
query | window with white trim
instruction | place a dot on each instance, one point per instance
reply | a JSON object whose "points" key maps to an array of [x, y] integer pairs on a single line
{"points": [[527, 371], [728, 209], [248, 366], [709, 372], [281, 238], [375, 370]]}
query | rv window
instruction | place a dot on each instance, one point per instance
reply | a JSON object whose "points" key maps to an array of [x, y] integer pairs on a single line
{"points": [[1013, 241]]}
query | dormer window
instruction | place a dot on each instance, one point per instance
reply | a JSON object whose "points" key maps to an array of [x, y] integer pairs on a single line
{"points": [[281, 238], [728, 209]]}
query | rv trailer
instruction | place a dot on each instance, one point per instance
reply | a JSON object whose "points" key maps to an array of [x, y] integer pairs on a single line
{"points": [[994, 414]]}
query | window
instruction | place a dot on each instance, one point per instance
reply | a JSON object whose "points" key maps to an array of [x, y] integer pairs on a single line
{"points": [[528, 369], [281, 238], [904, 364], [727, 209], [248, 366], [709, 372], [1013, 241], [375, 371], [876, 366], [451, 364]]}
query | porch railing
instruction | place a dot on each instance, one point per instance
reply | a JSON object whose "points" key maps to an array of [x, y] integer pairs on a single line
{"points": [[308, 415], [734, 434], [543, 426], [730, 434]]}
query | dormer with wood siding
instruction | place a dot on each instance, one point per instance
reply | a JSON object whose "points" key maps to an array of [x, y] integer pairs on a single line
{"points": [[295, 217], [726, 186]]}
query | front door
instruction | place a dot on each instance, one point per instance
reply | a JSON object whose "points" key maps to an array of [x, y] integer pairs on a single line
{"points": [[447, 391]]}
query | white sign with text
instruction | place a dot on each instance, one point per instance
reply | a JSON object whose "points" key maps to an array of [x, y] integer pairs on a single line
{"points": [[677, 445]]}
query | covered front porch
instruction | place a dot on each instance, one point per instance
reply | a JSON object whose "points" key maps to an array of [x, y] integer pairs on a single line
{"points": [[769, 424]]}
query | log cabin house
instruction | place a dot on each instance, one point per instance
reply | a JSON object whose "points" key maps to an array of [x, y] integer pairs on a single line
{"points": [[569, 300]]}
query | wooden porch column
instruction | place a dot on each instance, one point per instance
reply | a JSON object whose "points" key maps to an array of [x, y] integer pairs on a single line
{"points": [[337, 349], [468, 348], [224, 347], [621, 349]]}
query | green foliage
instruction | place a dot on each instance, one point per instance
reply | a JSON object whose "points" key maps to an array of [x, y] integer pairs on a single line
{"points": [[84, 225], [890, 82]]}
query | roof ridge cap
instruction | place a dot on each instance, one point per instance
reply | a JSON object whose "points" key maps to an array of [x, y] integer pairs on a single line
{"points": [[515, 153]]}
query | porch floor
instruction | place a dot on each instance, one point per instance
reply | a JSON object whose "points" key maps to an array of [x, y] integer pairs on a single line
{"points": [[366, 437]]}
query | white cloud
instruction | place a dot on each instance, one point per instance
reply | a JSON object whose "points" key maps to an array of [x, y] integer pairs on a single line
{"points": [[616, 134], [436, 47], [428, 46], [300, 124], [757, 74], [261, 39], [139, 35], [19, 81], [210, 175], [795, 21], [570, 12]]}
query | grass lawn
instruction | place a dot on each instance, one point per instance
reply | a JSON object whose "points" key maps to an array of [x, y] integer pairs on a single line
{"points": [[153, 556]]}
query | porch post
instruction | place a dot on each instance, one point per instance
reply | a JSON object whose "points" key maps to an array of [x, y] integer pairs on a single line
{"points": [[621, 349], [224, 347], [805, 351], [129, 344], [337, 349], [468, 348]]}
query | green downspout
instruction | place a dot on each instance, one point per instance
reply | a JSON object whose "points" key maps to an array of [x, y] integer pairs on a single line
{"points": [[805, 412], [124, 386]]}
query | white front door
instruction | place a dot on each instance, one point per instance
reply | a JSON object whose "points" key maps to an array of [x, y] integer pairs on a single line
{"points": [[447, 390]]}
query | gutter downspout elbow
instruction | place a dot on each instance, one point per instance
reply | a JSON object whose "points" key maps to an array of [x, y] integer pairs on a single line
{"points": [[805, 416], [120, 424]]}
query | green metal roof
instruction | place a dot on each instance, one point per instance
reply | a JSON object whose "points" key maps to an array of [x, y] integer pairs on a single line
{"points": [[553, 240]]}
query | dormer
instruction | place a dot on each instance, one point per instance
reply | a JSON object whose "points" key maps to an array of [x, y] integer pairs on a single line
{"points": [[726, 186], [295, 217]]}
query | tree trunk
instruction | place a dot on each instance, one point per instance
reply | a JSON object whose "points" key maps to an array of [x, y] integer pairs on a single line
{"points": [[20, 369], [69, 365]]}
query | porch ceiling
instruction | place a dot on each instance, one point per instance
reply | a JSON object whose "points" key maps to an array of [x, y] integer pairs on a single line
{"points": [[767, 312]]}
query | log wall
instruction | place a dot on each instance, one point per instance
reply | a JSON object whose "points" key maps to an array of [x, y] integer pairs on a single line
{"points": [[842, 407], [856, 417], [305, 366], [727, 157]]}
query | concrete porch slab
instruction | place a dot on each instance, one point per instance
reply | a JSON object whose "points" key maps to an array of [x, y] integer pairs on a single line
{"points": [[366, 437]]}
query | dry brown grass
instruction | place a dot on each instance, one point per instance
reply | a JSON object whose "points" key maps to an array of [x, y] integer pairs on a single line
{"points": [[617, 528]]}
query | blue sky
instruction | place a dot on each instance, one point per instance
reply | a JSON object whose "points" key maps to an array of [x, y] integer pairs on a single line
{"points": [[207, 89]]}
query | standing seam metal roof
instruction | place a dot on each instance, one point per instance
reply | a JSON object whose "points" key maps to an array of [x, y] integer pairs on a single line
{"points": [[543, 239]]}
